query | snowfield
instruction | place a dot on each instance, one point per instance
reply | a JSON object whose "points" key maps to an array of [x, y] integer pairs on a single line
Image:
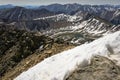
{"points": [[60, 66]]}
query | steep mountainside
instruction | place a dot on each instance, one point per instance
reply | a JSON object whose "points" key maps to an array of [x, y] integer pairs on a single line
{"points": [[21, 13]]}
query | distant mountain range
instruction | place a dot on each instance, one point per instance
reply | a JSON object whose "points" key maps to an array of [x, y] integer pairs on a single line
{"points": [[58, 7], [6, 6], [110, 13], [107, 12], [72, 22]]}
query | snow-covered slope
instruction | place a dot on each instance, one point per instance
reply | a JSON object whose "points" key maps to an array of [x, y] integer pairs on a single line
{"points": [[60, 66]]}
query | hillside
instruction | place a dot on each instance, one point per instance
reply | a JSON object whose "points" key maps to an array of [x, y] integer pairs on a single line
{"points": [[20, 50]]}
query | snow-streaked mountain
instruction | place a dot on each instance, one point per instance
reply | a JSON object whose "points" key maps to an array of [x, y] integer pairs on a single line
{"points": [[77, 28], [106, 12], [85, 23], [69, 8], [61, 17], [60, 66]]}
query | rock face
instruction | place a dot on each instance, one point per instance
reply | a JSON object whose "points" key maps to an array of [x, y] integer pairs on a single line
{"points": [[100, 68]]}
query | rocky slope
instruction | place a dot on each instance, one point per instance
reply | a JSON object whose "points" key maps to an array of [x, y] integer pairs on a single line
{"points": [[100, 68], [20, 50]]}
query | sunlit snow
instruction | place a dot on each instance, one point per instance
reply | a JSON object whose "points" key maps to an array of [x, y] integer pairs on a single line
{"points": [[60, 66]]}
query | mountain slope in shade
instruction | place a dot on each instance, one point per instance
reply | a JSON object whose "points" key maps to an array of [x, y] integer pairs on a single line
{"points": [[20, 13], [60, 66]]}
